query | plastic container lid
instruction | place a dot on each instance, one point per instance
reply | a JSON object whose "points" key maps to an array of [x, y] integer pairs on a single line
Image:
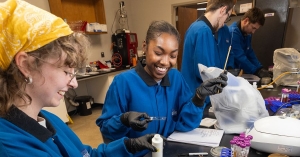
{"points": [[247, 144], [242, 136], [232, 141], [285, 90], [236, 138], [216, 151], [250, 137], [242, 145]]}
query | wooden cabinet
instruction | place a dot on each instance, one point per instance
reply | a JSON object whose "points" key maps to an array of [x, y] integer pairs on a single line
{"points": [[79, 10]]}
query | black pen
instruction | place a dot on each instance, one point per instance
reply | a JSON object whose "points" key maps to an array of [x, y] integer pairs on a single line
{"points": [[194, 154]]}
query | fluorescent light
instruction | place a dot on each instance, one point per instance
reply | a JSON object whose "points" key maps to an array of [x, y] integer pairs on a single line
{"points": [[201, 3], [201, 8]]}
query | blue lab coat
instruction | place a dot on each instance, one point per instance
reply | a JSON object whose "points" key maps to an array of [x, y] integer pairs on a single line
{"points": [[136, 90], [202, 45], [23, 136], [244, 56]]}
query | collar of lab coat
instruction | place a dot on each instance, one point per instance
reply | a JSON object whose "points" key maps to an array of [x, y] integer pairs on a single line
{"points": [[204, 19], [26, 123], [148, 79]]}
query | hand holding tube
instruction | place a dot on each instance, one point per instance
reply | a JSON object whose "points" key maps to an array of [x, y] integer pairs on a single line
{"points": [[136, 120]]}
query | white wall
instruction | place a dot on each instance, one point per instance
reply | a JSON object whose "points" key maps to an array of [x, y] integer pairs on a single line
{"points": [[145, 11]]}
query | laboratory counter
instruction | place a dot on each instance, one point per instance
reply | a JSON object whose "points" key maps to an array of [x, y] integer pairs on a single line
{"points": [[96, 84], [173, 149], [98, 73]]}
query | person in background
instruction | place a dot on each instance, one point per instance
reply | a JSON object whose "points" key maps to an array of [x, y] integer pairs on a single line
{"points": [[156, 90], [207, 41], [39, 55], [242, 30]]}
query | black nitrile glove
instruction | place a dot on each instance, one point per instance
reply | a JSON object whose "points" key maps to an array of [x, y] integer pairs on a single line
{"points": [[134, 145], [136, 120], [263, 73], [210, 87]]}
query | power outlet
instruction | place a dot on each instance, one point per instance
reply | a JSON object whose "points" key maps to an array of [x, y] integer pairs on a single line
{"points": [[102, 54]]}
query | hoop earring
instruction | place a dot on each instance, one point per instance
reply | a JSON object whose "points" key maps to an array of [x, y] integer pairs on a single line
{"points": [[28, 80]]}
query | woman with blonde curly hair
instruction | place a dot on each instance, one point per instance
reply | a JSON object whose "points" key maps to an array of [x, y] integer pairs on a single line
{"points": [[38, 62]]}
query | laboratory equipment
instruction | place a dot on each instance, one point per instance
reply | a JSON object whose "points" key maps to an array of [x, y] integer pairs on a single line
{"points": [[276, 134], [286, 60], [157, 142], [125, 44]]}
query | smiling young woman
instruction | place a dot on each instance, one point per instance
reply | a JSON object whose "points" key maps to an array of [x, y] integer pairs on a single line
{"points": [[156, 90]]}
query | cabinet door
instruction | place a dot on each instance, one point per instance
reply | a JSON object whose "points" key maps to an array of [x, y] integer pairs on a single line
{"points": [[270, 37], [79, 10]]}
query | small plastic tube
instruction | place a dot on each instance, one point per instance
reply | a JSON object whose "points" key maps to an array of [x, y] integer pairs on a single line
{"points": [[242, 135], [232, 144], [298, 87], [158, 118], [285, 95], [243, 149], [247, 147]]}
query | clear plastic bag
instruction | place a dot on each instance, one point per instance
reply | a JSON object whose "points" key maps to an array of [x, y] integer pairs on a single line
{"points": [[238, 106], [286, 60]]}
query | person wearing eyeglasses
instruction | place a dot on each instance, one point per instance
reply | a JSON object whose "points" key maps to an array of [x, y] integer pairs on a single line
{"points": [[39, 55], [207, 41], [242, 31]]}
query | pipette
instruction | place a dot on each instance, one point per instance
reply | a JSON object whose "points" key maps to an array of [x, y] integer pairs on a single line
{"points": [[158, 118], [228, 52]]}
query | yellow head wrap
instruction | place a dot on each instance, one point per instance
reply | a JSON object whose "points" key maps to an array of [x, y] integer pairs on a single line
{"points": [[25, 27]]}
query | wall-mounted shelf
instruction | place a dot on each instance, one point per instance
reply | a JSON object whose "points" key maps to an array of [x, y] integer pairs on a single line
{"points": [[79, 10]]}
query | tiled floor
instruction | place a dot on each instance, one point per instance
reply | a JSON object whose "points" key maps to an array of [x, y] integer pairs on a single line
{"points": [[86, 129]]}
